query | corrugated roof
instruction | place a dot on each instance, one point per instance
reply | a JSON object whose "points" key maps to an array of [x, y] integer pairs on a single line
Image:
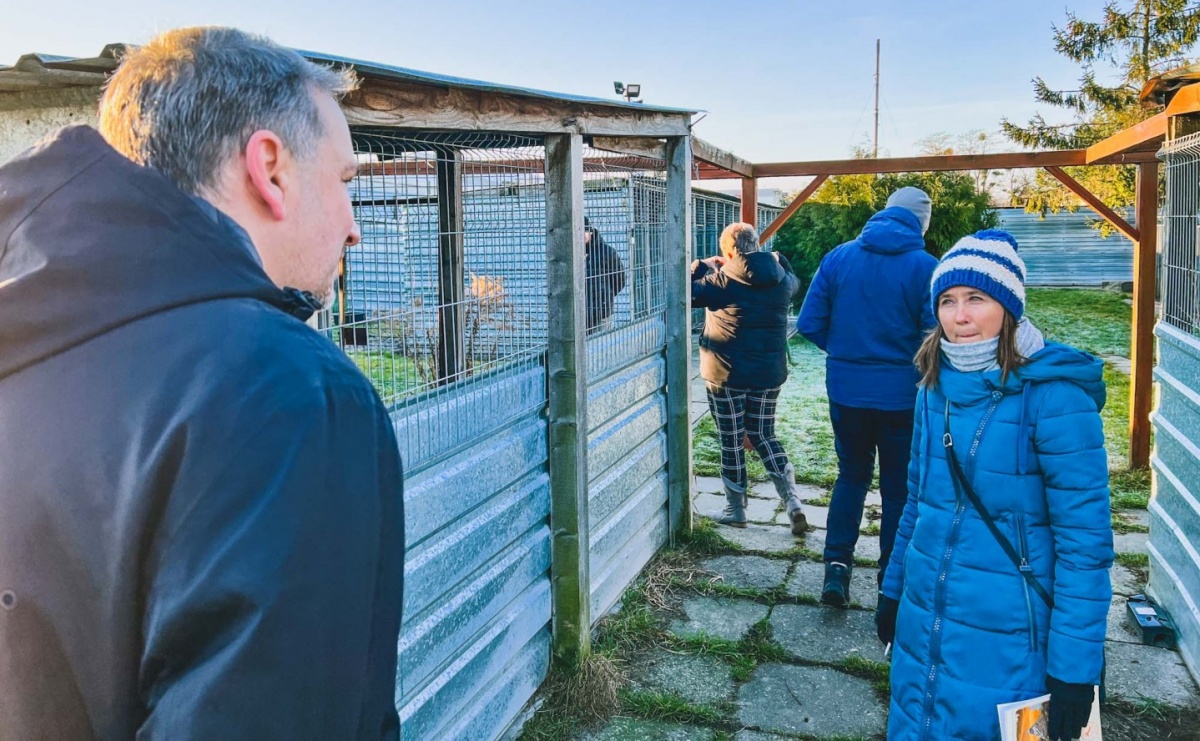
{"points": [[48, 71]]}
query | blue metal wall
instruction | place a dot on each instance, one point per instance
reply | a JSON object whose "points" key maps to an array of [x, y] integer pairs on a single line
{"points": [[475, 643], [1064, 250], [1175, 506]]}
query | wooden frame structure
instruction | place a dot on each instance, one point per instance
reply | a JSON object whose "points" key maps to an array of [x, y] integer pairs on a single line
{"points": [[1136, 145]]}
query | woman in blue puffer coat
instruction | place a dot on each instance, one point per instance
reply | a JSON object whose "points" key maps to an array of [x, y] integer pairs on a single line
{"points": [[970, 629]]}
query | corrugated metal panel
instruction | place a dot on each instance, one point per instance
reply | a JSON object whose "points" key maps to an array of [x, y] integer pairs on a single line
{"points": [[475, 641], [627, 490], [1175, 506], [1064, 250]]}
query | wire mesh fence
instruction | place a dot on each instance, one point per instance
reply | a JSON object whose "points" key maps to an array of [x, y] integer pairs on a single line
{"points": [[1180, 257], [448, 285], [625, 206]]}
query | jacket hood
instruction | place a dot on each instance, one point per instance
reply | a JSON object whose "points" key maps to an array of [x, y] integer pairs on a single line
{"points": [[1054, 362], [892, 231], [755, 269], [90, 241]]}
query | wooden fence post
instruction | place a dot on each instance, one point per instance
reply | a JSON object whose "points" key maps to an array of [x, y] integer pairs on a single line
{"points": [[677, 260], [566, 366], [1142, 377]]}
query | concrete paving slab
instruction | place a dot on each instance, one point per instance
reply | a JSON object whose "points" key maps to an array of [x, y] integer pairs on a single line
{"points": [[808, 578], [709, 485], [636, 729], [762, 538], [701, 680], [814, 701], [718, 617], [1130, 542], [825, 634], [749, 572], [817, 516], [1134, 516], [1124, 582], [1136, 671], [760, 736], [805, 491]]}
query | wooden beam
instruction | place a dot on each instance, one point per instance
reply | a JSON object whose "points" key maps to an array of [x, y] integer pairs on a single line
{"points": [[637, 146], [1097, 205], [1142, 378], [1148, 132], [750, 201], [929, 163], [677, 258], [566, 368], [409, 105], [1186, 100], [797, 202], [702, 151]]}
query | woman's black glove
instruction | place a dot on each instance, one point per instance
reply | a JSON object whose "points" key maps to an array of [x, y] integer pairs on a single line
{"points": [[885, 619], [1070, 708]]}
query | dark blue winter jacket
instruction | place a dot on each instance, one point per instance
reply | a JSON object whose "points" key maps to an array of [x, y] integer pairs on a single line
{"points": [[868, 308], [200, 496], [744, 343], [971, 633]]}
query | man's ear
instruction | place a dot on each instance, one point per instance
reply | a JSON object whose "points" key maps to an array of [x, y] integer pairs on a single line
{"points": [[268, 165]]}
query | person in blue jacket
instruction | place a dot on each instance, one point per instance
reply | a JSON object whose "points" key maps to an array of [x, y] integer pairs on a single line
{"points": [[1008, 432], [868, 308], [743, 361]]}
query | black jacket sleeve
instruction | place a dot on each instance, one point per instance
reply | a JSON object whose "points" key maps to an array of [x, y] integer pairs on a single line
{"points": [[274, 580]]}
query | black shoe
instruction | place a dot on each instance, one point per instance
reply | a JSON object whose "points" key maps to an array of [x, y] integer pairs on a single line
{"points": [[836, 592]]}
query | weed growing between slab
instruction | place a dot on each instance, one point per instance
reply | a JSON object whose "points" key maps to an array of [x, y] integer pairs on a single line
{"points": [[1122, 526], [1149, 720], [667, 706], [1133, 560], [580, 696]]}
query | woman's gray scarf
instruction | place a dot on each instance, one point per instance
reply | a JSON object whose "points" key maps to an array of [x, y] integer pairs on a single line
{"points": [[981, 356]]}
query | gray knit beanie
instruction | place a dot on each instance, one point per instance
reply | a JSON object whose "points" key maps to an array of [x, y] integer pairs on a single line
{"points": [[915, 200]]}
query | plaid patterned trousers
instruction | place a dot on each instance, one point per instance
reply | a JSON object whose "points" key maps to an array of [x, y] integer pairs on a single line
{"points": [[739, 412]]}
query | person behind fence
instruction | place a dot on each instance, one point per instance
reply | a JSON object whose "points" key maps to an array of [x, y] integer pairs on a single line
{"points": [[998, 587], [605, 277], [743, 360], [202, 521], [867, 308]]}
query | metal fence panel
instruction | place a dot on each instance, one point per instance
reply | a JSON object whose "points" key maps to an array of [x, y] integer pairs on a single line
{"points": [[1063, 249], [443, 306], [1175, 505]]}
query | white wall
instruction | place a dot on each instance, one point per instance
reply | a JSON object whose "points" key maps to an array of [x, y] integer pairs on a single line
{"points": [[25, 118]]}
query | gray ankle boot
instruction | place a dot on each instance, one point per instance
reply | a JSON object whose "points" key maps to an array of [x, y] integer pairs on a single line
{"points": [[785, 486], [735, 512]]}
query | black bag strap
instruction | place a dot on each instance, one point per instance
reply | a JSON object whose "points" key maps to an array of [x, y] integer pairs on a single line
{"points": [[961, 483]]}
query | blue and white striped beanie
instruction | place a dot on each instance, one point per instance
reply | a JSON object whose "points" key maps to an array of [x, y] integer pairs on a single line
{"points": [[987, 261]]}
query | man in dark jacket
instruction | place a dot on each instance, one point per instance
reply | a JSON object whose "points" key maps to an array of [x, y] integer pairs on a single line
{"points": [[202, 524], [743, 360], [868, 309], [605, 276]]}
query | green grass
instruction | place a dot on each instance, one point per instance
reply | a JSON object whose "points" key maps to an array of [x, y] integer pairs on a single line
{"points": [[392, 374], [1133, 560], [1096, 321], [668, 707]]}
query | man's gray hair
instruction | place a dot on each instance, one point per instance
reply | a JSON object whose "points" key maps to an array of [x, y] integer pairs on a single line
{"points": [[739, 237], [190, 99]]}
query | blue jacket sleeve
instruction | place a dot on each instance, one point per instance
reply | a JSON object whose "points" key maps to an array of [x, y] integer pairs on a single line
{"points": [[1069, 441], [893, 580], [813, 321], [273, 600]]}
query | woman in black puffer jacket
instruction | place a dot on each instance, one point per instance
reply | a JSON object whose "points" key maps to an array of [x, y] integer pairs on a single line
{"points": [[743, 360]]}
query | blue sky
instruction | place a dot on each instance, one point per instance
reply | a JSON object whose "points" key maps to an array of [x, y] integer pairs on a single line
{"points": [[780, 80]]}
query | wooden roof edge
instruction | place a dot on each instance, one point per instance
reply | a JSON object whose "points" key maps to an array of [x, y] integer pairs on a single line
{"points": [[717, 157], [1114, 149], [927, 163]]}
